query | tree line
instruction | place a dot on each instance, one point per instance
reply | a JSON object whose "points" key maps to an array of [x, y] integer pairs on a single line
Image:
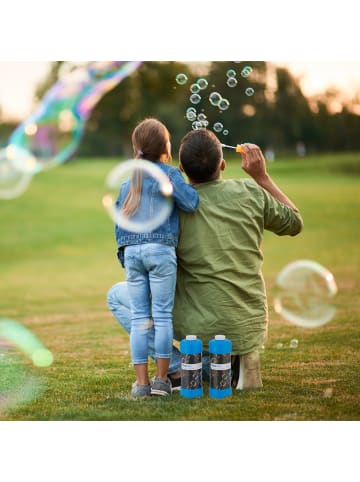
{"points": [[278, 115]]}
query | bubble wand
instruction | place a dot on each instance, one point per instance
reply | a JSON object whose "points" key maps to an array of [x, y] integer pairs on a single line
{"points": [[238, 147]]}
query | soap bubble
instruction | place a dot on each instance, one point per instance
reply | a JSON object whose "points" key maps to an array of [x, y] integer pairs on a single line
{"points": [[202, 83], [294, 343], [21, 355], [194, 88], [181, 79], [225, 132], [246, 71], [231, 82], [224, 104], [215, 98], [191, 115], [249, 91], [196, 125], [305, 289], [195, 98], [53, 131], [161, 201], [201, 117], [231, 73], [218, 127], [13, 182]]}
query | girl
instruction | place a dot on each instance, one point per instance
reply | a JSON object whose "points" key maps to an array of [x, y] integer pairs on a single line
{"points": [[149, 258]]}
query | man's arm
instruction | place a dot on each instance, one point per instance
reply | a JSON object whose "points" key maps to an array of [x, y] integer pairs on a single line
{"points": [[254, 164]]}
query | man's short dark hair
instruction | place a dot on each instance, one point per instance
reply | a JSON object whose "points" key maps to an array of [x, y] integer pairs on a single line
{"points": [[200, 155]]}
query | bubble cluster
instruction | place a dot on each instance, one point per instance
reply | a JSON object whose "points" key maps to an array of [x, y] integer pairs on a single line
{"points": [[215, 98], [305, 290]]}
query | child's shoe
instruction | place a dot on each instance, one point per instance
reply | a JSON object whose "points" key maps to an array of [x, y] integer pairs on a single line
{"points": [[159, 386], [140, 390]]}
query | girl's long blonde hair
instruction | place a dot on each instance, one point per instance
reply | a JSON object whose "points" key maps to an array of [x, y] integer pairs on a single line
{"points": [[151, 141]]}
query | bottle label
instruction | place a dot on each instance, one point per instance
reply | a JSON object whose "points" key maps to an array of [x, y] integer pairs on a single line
{"points": [[191, 371], [220, 371]]}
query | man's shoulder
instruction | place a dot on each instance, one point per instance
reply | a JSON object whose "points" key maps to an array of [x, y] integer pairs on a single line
{"points": [[243, 184]]}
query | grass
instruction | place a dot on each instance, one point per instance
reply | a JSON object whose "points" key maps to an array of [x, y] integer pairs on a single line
{"points": [[58, 261]]}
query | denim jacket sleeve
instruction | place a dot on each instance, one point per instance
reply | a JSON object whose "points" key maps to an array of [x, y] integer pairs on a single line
{"points": [[185, 196]]}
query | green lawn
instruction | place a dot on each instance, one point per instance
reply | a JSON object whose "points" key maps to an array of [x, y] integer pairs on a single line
{"points": [[58, 261]]}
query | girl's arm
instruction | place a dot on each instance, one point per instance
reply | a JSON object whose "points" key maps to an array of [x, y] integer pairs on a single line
{"points": [[185, 196]]}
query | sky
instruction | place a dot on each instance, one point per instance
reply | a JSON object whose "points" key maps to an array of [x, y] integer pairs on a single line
{"points": [[18, 80]]}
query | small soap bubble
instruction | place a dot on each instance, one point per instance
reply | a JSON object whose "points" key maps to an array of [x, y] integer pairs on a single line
{"points": [[225, 132], [201, 117], [195, 88], [218, 127], [202, 83], [224, 104], [231, 82], [249, 91], [191, 116], [181, 79], [196, 125], [215, 98], [246, 71], [231, 73], [279, 346], [294, 343], [195, 98], [204, 123]]}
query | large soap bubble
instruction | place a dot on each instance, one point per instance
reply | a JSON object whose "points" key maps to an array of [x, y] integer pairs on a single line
{"points": [[22, 355], [305, 291], [161, 201], [52, 133], [13, 182]]}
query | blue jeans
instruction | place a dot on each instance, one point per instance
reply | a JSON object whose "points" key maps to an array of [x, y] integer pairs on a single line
{"points": [[119, 304], [151, 279]]}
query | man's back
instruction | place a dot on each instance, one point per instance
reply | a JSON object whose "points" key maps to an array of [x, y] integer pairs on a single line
{"points": [[220, 288]]}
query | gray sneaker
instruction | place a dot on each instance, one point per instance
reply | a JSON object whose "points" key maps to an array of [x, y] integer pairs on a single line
{"points": [[140, 390], [159, 386]]}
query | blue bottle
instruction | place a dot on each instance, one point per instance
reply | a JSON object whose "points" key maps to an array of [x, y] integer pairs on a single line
{"points": [[220, 367], [191, 367]]}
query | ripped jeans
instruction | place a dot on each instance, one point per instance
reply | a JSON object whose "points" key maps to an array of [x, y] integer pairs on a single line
{"points": [[151, 280]]}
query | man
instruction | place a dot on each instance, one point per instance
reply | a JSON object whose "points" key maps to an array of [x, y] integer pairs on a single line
{"points": [[220, 287]]}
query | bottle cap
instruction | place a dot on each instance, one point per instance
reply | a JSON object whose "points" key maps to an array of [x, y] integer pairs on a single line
{"points": [[191, 337], [220, 337]]}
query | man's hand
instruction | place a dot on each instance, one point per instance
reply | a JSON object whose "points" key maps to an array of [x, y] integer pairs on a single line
{"points": [[253, 162]]}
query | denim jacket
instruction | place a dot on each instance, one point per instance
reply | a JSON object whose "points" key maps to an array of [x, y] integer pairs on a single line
{"points": [[184, 197]]}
